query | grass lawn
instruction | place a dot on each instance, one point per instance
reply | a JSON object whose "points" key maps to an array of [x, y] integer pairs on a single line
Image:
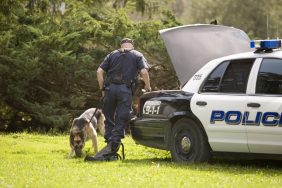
{"points": [[31, 160]]}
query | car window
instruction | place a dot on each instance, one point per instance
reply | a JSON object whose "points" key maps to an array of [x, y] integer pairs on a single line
{"points": [[229, 77], [269, 80], [213, 81]]}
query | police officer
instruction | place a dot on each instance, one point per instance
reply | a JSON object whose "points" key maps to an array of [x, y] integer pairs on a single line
{"points": [[121, 67]]}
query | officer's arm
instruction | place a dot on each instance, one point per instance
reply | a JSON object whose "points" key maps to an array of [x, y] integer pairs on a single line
{"points": [[100, 77], [145, 75]]}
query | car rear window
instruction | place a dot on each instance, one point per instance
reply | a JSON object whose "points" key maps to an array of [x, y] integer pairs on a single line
{"points": [[269, 80], [229, 77]]}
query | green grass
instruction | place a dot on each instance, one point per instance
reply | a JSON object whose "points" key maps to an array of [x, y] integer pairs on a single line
{"points": [[31, 160]]}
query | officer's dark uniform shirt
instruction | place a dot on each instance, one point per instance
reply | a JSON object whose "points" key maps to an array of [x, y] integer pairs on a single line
{"points": [[132, 62]]}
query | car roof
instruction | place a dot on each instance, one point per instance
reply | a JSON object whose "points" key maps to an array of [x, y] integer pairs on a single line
{"points": [[194, 83], [248, 55]]}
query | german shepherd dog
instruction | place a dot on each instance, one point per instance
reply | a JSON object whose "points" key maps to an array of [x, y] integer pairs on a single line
{"points": [[82, 130]]}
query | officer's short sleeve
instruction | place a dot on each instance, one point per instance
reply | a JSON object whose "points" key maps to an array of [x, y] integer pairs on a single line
{"points": [[105, 65], [142, 62]]}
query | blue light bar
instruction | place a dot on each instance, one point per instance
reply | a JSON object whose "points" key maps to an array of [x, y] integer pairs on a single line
{"points": [[266, 44]]}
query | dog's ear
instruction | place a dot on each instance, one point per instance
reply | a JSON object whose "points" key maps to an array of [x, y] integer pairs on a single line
{"points": [[74, 122], [70, 122]]}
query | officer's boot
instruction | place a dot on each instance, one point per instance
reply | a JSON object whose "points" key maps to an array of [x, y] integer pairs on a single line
{"points": [[108, 153]]}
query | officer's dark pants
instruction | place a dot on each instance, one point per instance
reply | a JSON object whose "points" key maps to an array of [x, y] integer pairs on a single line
{"points": [[116, 108]]}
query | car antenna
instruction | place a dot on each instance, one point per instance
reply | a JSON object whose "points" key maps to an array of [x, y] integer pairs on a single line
{"points": [[277, 32], [267, 27]]}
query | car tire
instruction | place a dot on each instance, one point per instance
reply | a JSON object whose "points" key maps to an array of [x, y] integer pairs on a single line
{"points": [[188, 142]]}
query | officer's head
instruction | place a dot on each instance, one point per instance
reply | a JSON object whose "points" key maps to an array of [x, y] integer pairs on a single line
{"points": [[126, 43]]}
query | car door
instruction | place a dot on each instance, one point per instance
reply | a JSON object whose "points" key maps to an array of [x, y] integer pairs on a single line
{"points": [[264, 122], [220, 105]]}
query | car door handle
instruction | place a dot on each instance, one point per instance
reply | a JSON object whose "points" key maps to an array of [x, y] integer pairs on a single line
{"points": [[201, 103], [254, 105]]}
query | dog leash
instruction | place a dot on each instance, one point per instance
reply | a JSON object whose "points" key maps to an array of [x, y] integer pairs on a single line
{"points": [[115, 156], [96, 109], [108, 157]]}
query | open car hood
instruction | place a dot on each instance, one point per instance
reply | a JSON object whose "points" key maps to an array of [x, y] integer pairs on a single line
{"points": [[192, 46]]}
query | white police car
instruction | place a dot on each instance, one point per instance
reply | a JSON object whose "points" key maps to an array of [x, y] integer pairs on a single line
{"points": [[232, 105]]}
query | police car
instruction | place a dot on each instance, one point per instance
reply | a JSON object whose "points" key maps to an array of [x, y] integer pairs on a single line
{"points": [[230, 101]]}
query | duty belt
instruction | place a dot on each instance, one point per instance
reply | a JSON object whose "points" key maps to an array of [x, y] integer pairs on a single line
{"points": [[120, 82]]}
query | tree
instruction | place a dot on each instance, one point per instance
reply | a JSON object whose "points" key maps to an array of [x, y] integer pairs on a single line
{"points": [[49, 54]]}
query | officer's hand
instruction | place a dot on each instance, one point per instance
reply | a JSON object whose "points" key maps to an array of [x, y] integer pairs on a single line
{"points": [[103, 94], [148, 88]]}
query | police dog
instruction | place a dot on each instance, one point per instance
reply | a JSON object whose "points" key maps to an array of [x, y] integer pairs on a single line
{"points": [[82, 130]]}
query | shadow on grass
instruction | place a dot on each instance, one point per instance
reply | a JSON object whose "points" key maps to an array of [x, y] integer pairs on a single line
{"points": [[255, 163], [215, 163], [148, 161]]}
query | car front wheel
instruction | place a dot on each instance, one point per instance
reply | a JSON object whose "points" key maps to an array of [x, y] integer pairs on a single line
{"points": [[188, 142]]}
